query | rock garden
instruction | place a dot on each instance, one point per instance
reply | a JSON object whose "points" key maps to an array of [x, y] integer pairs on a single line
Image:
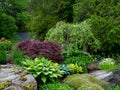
{"points": [[59, 45]]}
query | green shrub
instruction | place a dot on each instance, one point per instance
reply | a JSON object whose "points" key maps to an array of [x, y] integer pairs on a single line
{"points": [[80, 58], [85, 82], [5, 44], [15, 56], [43, 69], [76, 35], [116, 88], [107, 64], [55, 86], [2, 57], [8, 26], [18, 56]]}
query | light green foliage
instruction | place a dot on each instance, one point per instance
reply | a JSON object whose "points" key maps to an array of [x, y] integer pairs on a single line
{"points": [[107, 64], [75, 68], [43, 69], [73, 35], [55, 86], [85, 82]]}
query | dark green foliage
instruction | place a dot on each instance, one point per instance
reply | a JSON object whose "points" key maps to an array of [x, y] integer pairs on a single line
{"points": [[64, 10], [12, 17], [55, 86], [97, 57], [16, 56], [7, 26], [42, 17], [80, 58], [105, 22], [45, 14], [2, 56]]}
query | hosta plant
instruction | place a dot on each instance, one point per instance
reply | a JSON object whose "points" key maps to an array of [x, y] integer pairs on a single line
{"points": [[107, 64], [42, 69]]}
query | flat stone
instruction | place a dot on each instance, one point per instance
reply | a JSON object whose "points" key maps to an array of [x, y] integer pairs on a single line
{"points": [[101, 74], [13, 74]]}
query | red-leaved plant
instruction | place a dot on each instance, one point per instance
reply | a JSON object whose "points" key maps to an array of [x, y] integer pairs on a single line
{"points": [[47, 49]]}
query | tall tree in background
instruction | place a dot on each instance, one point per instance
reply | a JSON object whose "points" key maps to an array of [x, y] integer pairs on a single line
{"points": [[46, 13], [104, 15], [13, 17]]}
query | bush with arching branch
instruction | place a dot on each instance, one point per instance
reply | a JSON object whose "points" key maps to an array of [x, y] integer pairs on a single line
{"points": [[46, 48], [75, 36]]}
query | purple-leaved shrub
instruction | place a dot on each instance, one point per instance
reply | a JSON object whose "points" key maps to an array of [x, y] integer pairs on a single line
{"points": [[47, 49]]}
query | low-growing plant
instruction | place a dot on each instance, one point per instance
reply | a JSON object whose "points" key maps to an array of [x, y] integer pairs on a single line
{"points": [[107, 64], [75, 68], [116, 88], [66, 69], [85, 82], [42, 69], [55, 86], [47, 49]]}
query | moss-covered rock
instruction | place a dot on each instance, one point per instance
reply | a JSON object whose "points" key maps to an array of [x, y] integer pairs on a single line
{"points": [[86, 82]]}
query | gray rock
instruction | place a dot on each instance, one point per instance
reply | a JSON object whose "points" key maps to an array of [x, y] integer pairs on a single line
{"points": [[14, 74], [13, 87], [113, 78]]}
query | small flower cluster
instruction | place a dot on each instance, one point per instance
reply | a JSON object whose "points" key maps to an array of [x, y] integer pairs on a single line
{"points": [[107, 64]]}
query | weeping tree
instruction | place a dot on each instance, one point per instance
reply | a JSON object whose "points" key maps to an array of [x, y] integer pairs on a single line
{"points": [[73, 36]]}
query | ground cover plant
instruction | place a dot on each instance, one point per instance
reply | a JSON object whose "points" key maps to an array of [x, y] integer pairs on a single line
{"points": [[55, 86]]}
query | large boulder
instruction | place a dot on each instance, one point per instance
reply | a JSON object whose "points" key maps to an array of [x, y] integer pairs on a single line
{"points": [[13, 77], [113, 77], [85, 82]]}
